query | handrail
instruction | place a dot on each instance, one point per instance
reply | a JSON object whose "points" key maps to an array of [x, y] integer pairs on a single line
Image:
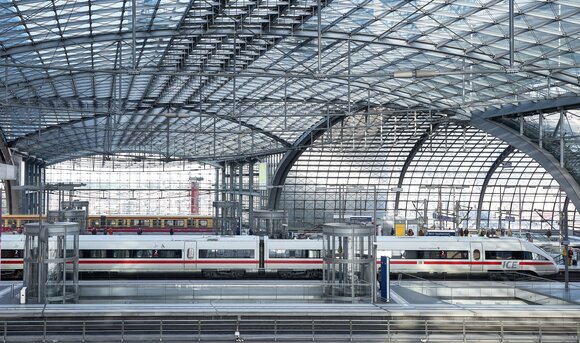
{"points": [[291, 329]]}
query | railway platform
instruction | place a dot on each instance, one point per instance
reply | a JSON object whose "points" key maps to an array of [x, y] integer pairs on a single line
{"points": [[291, 310]]}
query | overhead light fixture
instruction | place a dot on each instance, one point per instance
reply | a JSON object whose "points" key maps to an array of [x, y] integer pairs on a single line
{"points": [[415, 74], [176, 115]]}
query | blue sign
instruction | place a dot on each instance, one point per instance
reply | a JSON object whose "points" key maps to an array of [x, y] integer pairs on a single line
{"points": [[385, 279]]}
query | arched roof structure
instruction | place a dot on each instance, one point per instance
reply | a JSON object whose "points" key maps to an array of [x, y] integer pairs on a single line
{"points": [[206, 79], [215, 81]]}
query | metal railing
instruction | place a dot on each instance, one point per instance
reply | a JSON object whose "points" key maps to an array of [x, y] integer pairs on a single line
{"points": [[292, 329]]}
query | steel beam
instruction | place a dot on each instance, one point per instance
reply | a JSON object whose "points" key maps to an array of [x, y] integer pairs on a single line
{"points": [[418, 145], [498, 161], [531, 107], [301, 144]]}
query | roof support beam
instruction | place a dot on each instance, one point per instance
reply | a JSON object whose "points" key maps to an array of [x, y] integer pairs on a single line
{"points": [[416, 148], [498, 161], [293, 154]]}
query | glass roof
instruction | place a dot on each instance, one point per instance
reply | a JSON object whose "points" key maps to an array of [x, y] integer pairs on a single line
{"points": [[215, 80]]}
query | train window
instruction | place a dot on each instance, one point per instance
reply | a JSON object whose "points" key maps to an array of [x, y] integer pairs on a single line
{"points": [[11, 253], [476, 254], [142, 223], [456, 254], [156, 222], [174, 222], [226, 253], [141, 253], [118, 254], [167, 253], [92, 253], [434, 254], [283, 253], [202, 223], [537, 257], [504, 255]]}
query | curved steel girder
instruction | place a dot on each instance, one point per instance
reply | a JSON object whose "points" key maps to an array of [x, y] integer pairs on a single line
{"points": [[532, 107], [545, 159], [282, 32], [498, 161], [418, 144], [207, 159], [292, 155], [308, 34], [418, 98], [82, 120]]}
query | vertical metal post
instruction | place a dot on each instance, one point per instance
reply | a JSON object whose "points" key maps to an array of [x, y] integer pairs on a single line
{"points": [[122, 331], [251, 194], [161, 331], [512, 38], [541, 128], [84, 330], [375, 199], [133, 34], [348, 81], [565, 241], [319, 35], [561, 138], [350, 330]]}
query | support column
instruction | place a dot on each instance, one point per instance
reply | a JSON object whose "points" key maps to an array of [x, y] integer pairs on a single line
{"points": [[251, 194]]}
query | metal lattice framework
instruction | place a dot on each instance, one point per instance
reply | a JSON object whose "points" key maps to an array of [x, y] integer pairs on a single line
{"points": [[220, 82], [211, 80]]}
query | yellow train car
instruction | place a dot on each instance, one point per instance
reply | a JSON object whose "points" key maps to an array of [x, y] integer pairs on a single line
{"points": [[152, 223], [123, 223]]}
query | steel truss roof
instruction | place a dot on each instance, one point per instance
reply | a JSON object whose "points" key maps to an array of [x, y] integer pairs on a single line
{"points": [[208, 80]]}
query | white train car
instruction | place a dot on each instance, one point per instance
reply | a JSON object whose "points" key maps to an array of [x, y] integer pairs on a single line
{"points": [[215, 256], [293, 257], [464, 255]]}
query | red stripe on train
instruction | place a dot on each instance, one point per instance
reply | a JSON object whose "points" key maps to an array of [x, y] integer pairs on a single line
{"points": [[168, 261], [536, 263], [464, 262], [313, 261]]}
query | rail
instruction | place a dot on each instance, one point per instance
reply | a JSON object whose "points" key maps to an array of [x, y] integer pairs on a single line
{"points": [[282, 330]]}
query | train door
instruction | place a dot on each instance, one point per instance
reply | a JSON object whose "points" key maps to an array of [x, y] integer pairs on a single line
{"points": [[476, 257], [190, 258]]}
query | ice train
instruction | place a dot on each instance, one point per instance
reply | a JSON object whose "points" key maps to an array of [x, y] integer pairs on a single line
{"points": [[236, 256]]}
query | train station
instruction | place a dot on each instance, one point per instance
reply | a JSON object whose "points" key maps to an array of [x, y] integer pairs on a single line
{"points": [[290, 171]]}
